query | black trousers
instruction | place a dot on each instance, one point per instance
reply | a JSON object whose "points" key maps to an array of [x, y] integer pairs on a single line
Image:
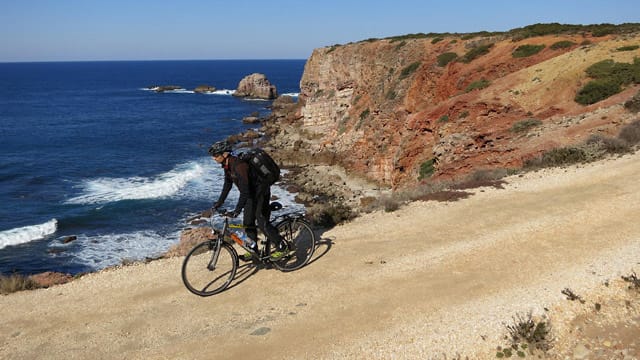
{"points": [[257, 210]]}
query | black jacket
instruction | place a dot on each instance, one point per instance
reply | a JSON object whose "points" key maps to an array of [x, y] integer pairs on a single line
{"points": [[239, 173]]}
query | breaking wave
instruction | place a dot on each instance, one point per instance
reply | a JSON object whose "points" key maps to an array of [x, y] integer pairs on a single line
{"points": [[27, 233], [105, 190]]}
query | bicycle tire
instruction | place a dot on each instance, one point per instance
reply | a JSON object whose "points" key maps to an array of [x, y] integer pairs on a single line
{"points": [[197, 273], [301, 242]]}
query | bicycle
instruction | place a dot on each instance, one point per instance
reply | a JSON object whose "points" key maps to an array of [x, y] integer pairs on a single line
{"points": [[210, 267]]}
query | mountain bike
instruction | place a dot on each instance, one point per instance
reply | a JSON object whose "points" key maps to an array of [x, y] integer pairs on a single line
{"points": [[211, 266]]}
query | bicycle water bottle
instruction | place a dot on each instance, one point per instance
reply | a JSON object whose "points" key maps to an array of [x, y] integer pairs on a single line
{"points": [[241, 238]]}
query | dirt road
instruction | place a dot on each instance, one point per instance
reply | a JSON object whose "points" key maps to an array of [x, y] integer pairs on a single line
{"points": [[427, 281]]}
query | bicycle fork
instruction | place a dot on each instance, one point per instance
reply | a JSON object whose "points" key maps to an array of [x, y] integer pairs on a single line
{"points": [[214, 258]]}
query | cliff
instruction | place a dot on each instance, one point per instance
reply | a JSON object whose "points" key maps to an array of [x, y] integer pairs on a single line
{"points": [[385, 108]]}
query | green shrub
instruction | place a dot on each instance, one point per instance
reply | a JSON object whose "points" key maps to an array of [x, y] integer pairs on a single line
{"points": [[562, 45], [436, 40], [475, 53], [443, 119], [15, 283], [558, 157], [410, 69], [463, 114], [445, 58], [628, 48], [526, 50], [597, 90], [480, 84], [524, 125], [525, 332], [364, 114], [427, 169]]}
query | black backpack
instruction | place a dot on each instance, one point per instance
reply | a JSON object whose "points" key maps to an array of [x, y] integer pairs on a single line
{"points": [[263, 165]]}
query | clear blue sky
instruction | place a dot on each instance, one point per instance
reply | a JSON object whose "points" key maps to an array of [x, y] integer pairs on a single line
{"points": [[61, 30]]}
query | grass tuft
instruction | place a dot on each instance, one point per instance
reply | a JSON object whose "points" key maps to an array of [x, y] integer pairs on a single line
{"points": [[15, 283]]}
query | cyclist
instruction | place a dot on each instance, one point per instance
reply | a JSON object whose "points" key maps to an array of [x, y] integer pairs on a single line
{"points": [[254, 198]]}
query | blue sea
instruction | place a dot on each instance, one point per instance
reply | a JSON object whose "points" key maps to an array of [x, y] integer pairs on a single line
{"points": [[87, 150]]}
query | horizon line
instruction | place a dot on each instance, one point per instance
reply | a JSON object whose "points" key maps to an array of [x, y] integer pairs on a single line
{"points": [[144, 60]]}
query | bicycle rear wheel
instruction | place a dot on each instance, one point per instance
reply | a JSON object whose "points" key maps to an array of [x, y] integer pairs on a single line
{"points": [[209, 268], [301, 242]]}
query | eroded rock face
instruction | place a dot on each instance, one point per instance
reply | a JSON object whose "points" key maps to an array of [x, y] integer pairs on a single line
{"points": [[382, 108], [256, 86]]}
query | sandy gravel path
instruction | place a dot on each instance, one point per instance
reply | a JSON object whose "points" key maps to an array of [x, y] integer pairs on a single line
{"points": [[428, 281]]}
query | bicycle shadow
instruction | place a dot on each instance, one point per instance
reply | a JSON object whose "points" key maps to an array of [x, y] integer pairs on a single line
{"points": [[247, 270]]}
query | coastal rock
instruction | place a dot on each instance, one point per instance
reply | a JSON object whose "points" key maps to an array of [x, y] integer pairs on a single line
{"points": [[204, 89], [256, 86], [188, 239], [164, 88], [69, 239], [50, 278], [251, 120]]}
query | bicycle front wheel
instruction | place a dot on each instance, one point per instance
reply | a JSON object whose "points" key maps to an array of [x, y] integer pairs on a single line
{"points": [[301, 242], [209, 268]]}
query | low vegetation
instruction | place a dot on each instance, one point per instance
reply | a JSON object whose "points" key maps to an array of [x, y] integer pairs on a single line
{"points": [[477, 85], [475, 53], [523, 126], [526, 50], [628, 48], [427, 169], [445, 58], [409, 69], [633, 280], [526, 335], [608, 79], [564, 44], [15, 283], [594, 148]]}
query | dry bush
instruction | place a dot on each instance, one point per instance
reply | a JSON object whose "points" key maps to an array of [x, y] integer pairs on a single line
{"points": [[16, 282], [631, 133]]}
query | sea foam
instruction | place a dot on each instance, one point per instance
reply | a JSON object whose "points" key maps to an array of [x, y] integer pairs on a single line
{"points": [[105, 190], [101, 251], [27, 233]]}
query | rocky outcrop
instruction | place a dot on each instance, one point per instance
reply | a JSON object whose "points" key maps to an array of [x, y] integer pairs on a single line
{"points": [[383, 108], [256, 86], [50, 278], [204, 89], [188, 239], [163, 88]]}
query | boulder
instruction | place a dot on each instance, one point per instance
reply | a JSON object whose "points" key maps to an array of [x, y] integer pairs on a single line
{"points": [[256, 86], [188, 239], [203, 89], [50, 278], [164, 88]]}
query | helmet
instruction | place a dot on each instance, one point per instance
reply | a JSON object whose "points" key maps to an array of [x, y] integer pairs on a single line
{"points": [[219, 147]]}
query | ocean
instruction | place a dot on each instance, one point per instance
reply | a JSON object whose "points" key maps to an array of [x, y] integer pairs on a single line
{"points": [[88, 151]]}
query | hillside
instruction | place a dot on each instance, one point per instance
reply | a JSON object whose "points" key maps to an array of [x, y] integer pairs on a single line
{"points": [[385, 108]]}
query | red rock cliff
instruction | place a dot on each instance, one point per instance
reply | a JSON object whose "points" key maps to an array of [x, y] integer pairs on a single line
{"points": [[383, 108]]}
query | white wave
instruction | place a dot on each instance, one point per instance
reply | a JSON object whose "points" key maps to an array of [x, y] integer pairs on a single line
{"points": [[28, 233], [291, 94], [101, 251], [104, 190], [180, 91], [221, 92]]}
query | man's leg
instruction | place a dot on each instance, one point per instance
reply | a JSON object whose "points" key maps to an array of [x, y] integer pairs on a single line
{"points": [[263, 212]]}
